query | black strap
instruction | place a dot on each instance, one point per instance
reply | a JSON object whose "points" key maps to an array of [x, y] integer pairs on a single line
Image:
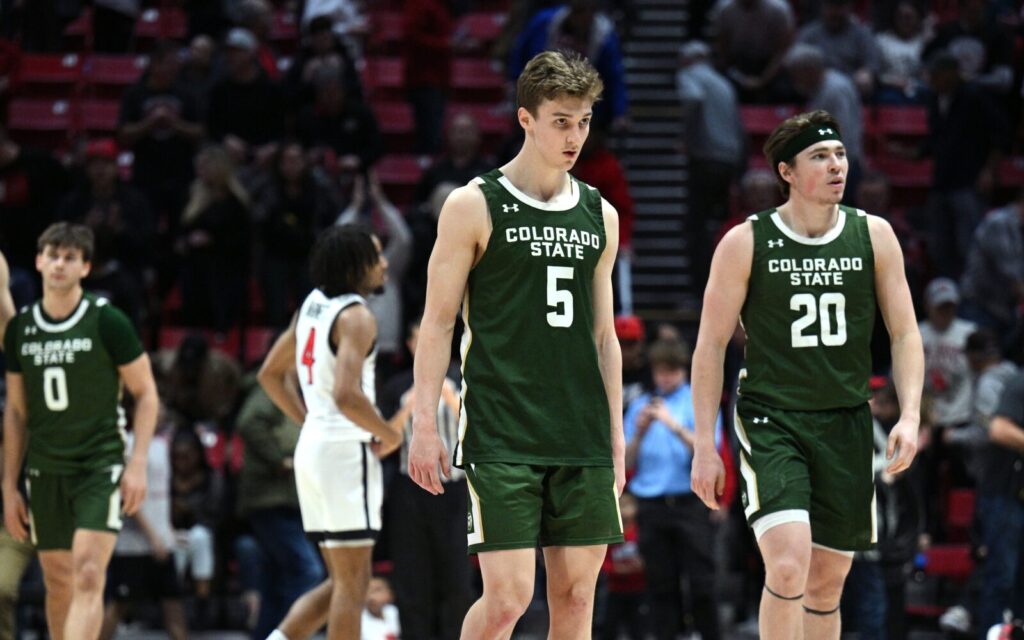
{"points": [[817, 612], [789, 598]]}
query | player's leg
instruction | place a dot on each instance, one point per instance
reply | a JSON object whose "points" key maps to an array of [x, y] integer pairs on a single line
{"points": [[14, 557], [580, 518], [90, 554], [825, 581], [508, 589], [572, 578], [306, 615], [350, 571], [112, 615], [786, 550], [58, 574]]}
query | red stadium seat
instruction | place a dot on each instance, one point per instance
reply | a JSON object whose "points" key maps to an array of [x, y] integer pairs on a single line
{"points": [[960, 513], [100, 116], [477, 80], [258, 341], [906, 173], [1011, 172], [79, 31], [399, 173], [760, 120], [384, 77], [902, 121], [949, 561], [166, 23], [396, 123], [170, 337], [116, 72], [284, 30], [493, 120], [50, 75], [386, 31], [484, 26], [47, 122]]}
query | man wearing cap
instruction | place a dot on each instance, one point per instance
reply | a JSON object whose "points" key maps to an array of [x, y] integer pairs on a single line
{"points": [[947, 372], [636, 374], [805, 279]]}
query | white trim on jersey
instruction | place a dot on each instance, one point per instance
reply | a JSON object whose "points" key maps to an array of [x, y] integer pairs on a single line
{"points": [[315, 362], [832, 234], [764, 524], [560, 203], [37, 315]]}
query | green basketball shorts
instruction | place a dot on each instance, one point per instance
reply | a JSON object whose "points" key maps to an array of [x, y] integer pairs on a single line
{"points": [[60, 504], [809, 466], [521, 506]]}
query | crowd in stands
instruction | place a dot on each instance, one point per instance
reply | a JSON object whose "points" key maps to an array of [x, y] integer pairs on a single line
{"points": [[254, 125]]}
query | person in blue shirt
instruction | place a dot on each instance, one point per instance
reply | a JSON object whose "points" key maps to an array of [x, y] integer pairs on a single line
{"points": [[676, 529]]}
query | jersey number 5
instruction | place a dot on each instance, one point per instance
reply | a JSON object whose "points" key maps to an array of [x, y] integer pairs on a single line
{"points": [[825, 307], [55, 388], [307, 355], [561, 299]]}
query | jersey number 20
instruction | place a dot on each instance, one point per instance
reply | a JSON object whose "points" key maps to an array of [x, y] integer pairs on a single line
{"points": [[821, 310]]}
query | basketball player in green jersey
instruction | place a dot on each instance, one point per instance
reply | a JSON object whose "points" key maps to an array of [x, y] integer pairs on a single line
{"points": [[527, 251], [805, 280], [68, 356]]}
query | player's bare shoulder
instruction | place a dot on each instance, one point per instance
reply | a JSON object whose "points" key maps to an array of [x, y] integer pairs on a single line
{"points": [[735, 251], [884, 243]]}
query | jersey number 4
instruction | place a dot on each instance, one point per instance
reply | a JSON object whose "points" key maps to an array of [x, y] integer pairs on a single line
{"points": [[819, 310], [307, 355]]}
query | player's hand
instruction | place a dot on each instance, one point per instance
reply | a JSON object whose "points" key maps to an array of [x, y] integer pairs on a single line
{"points": [[15, 515], [707, 475], [426, 455], [384, 448], [902, 446], [133, 487]]}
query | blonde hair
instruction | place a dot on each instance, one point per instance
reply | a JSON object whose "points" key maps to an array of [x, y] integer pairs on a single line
{"points": [[786, 132], [551, 74], [222, 173]]}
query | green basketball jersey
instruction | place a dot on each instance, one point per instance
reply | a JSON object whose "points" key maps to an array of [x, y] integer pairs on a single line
{"points": [[809, 314], [532, 389], [72, 386]]}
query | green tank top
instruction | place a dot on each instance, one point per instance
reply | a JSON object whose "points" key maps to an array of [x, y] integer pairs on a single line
{"points": [[809, 314], [72, 385], [532, 389]]}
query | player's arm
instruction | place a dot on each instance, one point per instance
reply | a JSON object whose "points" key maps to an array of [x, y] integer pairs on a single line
{"points": [[723, 300], [893, 295], [461, 228], [137, 376], [609, 355], [6, 301], [274, 374], [15, 426], [354, 332]]}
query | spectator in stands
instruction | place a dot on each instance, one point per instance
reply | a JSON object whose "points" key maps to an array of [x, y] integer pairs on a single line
{"points": [[833, 91], [340, 124], [109, 206], [751, 40], [626, 604], [715, 144], [427, 533], [32, 182], [257, 17], [461, 162], [982, 47], [947, 375], [292, 204], [15, 556], [676, 529], [160, 123], [423, 224], [197, 70], [900, 56], [214, 244], [846, 42], [636, 373], [579, 26], [369, 197], [246, 110], [348, 20], [427, 54], [993, 282], [198, 383], [268, 501], [601, 169], [322, 50], [966, 135], [142, 568], [196, 508], [1000, 507], [123, 285], [380, 620]]}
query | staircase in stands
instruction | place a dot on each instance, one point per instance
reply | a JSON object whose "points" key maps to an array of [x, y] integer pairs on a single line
{"points": [[662, 283]]}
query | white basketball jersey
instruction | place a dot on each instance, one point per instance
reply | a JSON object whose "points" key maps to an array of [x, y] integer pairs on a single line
{"points": [[315, 360]]}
